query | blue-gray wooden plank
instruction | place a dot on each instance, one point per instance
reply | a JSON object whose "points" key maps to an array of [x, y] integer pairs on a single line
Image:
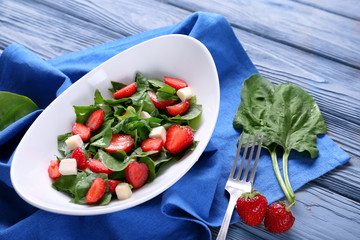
{"points": [[291, 23], [345, 8]]}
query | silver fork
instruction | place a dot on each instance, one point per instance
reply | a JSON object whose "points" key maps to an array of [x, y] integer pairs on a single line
{"points": [[235, 186]]}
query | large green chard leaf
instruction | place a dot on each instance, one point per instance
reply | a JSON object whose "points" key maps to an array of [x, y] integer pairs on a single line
{"points": [[285, 114], [13, 107]]}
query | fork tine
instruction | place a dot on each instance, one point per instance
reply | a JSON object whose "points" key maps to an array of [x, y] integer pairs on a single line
{"points": [[256, 160], [236, 156], [249, 159], [243, 160]]}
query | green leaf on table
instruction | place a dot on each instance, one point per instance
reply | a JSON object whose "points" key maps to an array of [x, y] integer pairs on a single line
{"points": [[14, 107], [286, 114]]}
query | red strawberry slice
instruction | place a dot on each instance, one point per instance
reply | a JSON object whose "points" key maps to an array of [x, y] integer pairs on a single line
{"points": [[53, 169], [175, 83], [160, 104], [126, 91], [112, 185], [136, 174], [251, 207], [97, 166], [95, 120], [81, 130], [179, 108], [278, 218], [120, 142], [96, 191], [152, 144], [178, 138], [80, 157]]}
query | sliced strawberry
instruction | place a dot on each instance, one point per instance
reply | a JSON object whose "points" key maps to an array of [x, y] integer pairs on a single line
{"points": [[160, 104], [112, 185], [97, 166], [152, 144], [81, 130], [136, 173], [96, 191], [120, 142], [126, 91], [179, 108], [178, 138], [80, 157], [53, 169], [175, 83], [95, 120]]}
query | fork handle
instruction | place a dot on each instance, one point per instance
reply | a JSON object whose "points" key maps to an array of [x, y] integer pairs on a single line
{"points": [[225, 224]]}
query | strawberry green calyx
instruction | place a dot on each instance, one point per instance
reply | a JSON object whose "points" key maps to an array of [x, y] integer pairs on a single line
{"points": [[250, 195]]}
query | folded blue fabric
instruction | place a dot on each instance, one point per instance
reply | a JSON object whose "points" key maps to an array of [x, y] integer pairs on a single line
{"points": [[196, 201]]}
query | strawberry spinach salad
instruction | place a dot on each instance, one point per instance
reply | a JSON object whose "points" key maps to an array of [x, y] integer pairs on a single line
{"points": [[118, 145]]}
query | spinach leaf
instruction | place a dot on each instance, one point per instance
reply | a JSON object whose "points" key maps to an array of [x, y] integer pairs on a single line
{"points": [[193, 112], [83, 184], [167, 89], [84, 112], [113, 163], [166, 95], [67, 183], [103, 138], [151, 166], [98, 98], [157, 83], [62, 147], [116, 86], [13, 107], [285, 115]]}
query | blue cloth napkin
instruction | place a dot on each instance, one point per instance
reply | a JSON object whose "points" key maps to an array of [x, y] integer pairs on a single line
{"points": [[196, 201]]}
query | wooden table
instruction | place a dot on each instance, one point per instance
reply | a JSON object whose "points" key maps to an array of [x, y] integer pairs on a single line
{"points": [[315, 44]]}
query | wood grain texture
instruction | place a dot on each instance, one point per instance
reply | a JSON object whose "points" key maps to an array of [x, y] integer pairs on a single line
{"points": [[307, 28], [345, 8], [47, 31], [284, 43]]}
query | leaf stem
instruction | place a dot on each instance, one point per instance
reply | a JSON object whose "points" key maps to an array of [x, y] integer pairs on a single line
{"points": [[291, 197], [278, 173]]}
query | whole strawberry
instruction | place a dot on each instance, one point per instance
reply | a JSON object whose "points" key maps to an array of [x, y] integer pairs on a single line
{"points": [[251, 207], [279, 218]]}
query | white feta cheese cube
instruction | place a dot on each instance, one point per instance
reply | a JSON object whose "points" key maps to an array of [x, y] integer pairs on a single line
{"points": [[74, 142], [68, 166], [184, 93], [123, 191], [144, 114], [158, 132]]}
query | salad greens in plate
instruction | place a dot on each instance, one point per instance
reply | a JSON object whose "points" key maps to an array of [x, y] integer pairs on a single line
{"points": [[125, 140]]}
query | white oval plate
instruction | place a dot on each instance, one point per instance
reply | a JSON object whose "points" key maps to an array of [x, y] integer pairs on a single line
{"points": [[178, 56]]}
